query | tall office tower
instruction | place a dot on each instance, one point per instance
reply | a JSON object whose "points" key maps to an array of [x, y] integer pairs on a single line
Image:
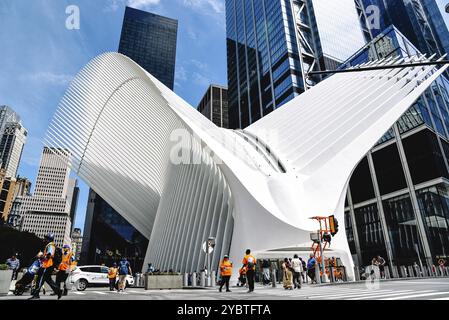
{"points": [[22, 189], [214, 105], [11, 147], [72, 199], [397, 202], [7, 115], [420, 21], [150, 40], [272, 45], [77, 242], [50, 206], [108, 236]]}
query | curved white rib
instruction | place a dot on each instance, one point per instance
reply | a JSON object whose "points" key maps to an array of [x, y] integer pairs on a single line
{"points": [[117, 121]]}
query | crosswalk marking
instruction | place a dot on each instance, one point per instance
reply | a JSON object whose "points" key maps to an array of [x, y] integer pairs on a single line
{"points": [[79, 293], [349, 294], [375, 296], [99, 292], [445, 298], [419, 295]]}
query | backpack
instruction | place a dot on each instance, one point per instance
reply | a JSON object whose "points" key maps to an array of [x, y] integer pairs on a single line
{"points": [[123, 267], [57, 258], [250, 263]]}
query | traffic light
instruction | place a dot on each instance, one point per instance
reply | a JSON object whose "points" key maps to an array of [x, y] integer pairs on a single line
{"points": [[333, 224]]}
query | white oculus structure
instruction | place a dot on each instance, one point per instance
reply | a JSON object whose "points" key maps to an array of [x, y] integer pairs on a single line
{"points": [[254, 188]]}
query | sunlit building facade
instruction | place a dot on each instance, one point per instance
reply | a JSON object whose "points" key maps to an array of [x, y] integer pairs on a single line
{"points": [[271, 45], [398, 199]]}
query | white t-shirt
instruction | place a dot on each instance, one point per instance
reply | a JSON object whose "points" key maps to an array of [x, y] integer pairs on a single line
{"points": [[297, 265]]}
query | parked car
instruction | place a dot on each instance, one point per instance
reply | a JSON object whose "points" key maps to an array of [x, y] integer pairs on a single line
{"points": [[93, 276]]}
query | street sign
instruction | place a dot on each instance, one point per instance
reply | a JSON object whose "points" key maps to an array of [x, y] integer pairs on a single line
{"points": [[205, 247]]}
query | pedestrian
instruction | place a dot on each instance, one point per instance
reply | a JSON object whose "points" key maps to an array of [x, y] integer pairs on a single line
{"points": [[112, 276], [46, 270], [64, 268], [150, 268], [13, 264], [304, 270], [124, 268], [242, 277], [29, 275], [297, 271], [266, 272], [380, 262], [311, 268], [287, 275], [225, 273], [249, 261]]}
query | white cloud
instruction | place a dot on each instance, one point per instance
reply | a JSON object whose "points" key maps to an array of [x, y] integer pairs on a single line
{"points": [[200, 79], [181, 74], [48, 78], [198, 64], [114, 5], [142, 3], [205, 6]]}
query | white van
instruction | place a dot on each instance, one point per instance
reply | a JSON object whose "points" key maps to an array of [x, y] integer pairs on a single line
{"points": [[93, 276]]}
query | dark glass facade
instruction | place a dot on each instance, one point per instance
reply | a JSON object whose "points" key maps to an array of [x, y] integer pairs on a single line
{"points": [[419, 20], [108, 236], [264, 68], [214, 105], [399, 194], [272, 45], [150, 40]]}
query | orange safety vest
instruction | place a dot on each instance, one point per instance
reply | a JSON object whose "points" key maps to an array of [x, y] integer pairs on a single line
{"points": [[249, 258], [112, 273], [66, 261], [48, 262], [226, 268]]}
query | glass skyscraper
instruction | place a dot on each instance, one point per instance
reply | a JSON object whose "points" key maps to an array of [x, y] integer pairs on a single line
{"points": [[398, 199], [149, 40], [420, 21], [272, 44]]}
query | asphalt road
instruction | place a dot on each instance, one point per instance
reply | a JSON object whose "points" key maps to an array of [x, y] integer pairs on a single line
{"points": [[416, 289]]}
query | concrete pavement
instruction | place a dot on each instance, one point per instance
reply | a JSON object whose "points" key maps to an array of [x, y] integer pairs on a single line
{"points": [[419, 289]]}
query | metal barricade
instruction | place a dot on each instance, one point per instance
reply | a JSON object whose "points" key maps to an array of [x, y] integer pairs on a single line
{"points": [[273, 278], [202, 279], [194, 280], [186, 279]]}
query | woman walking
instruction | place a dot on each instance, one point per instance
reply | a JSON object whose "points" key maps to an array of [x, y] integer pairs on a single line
{"points": [[288, 275]]}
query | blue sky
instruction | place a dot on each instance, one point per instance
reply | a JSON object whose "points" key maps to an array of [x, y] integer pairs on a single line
{"points": [[39, 56]]}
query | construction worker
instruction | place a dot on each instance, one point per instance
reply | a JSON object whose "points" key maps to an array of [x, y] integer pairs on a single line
{"points": [[65, 267], [249, 261], [46, 270], [112, 276], [225, 273], [242, 277]]}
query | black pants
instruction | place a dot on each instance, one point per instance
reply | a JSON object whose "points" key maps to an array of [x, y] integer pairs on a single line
{"points": [[14, 274], [311, 274], [297, 279], [61, 277], [250, 274], [225, 281], [111, 284], [44, 275]]}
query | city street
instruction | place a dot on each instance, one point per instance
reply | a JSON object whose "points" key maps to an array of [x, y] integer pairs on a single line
{"points": [[425, 289]]}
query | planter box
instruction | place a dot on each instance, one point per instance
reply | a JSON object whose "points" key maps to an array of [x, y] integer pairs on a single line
{"points": [[163, 282], [5, 281]]}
